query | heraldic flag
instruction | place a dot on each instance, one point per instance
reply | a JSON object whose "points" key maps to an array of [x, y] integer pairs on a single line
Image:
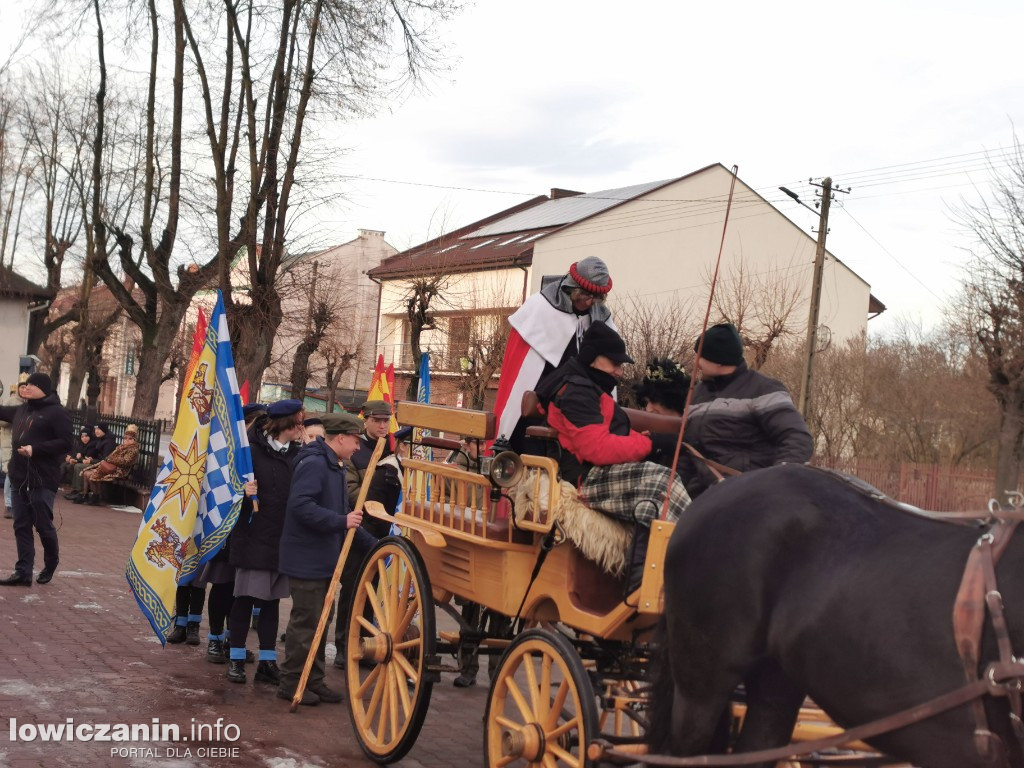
{"points": [[198, 491]]}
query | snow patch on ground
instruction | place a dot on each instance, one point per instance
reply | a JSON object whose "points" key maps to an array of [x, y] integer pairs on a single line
{"points": [[31, 599], [25, 690], [291, 762], [81, 575], [130, 511], [90, 607]]}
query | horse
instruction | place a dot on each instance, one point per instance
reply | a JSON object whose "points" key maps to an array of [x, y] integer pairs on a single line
{"points": [[793, 583]]}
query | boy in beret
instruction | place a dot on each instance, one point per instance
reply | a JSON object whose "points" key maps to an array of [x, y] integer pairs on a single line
{"points": [[739, 417]]}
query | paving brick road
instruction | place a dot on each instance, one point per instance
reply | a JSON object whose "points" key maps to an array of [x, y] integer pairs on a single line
{"points": [[80, 648]]}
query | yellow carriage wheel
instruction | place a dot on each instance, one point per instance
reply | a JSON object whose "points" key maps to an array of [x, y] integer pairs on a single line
{"points": [[541, 709], [390, 640], [623, 709]]}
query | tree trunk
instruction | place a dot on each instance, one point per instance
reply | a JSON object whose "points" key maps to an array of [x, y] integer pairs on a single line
{"points": [[1008, 461], [253, 330], [300, 370], [155, 350]]}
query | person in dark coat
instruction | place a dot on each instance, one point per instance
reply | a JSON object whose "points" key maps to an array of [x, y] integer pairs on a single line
{"points": [[42, 435], [377, 415], [316, 518], [256, 539], [601, 454], [739, 417]]}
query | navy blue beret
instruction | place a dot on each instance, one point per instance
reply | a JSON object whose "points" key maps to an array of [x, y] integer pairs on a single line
{"points": [[251, 408], [284, 408], [403, 433]]}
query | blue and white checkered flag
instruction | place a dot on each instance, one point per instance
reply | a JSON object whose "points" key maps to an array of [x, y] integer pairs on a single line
{"points": [[228, 461]]}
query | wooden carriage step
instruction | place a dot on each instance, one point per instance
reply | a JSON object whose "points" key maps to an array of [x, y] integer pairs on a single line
{"points": [[489, 642]]}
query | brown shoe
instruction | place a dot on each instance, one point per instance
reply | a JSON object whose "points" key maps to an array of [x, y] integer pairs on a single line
{"points": [[309, 699], [329, 695]]}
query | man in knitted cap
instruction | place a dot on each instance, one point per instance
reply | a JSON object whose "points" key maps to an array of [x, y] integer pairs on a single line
{"points": [[739, 417], [42, 436], [546, 332]]}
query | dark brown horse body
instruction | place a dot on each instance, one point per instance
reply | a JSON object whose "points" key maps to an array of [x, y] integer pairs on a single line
{"points": [[793, 583]]}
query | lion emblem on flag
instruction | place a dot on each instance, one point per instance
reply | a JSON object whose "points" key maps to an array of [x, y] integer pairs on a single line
{"points": [[169, 549]]}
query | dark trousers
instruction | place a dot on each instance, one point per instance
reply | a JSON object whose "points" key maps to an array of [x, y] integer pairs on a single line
{"points": [[308, 597], [266, 626], [33, 508]]}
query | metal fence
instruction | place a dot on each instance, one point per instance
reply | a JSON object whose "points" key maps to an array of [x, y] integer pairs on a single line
{"points": [[144, 474], [938, 487]]}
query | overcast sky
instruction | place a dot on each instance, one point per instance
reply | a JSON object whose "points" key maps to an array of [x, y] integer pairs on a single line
{"points": [[899, 100]]}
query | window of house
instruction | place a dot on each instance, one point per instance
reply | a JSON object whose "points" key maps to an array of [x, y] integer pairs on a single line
{"points": [[459, 329]]}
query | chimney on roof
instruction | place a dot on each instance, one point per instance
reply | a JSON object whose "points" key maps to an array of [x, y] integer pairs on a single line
{"points": [[371, 233], [557, 193]]}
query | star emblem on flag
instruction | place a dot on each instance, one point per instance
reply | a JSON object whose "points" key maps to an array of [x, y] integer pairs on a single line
{"points": [[186, 477]]}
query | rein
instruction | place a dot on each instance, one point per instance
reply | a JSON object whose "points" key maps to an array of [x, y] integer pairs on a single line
{"points": [[700, 347], [978, 595]]}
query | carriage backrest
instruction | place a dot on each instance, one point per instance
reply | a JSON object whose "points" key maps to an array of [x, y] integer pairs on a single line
{"points": [[462, 421]]}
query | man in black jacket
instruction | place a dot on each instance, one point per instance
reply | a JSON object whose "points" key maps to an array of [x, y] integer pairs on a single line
{"points": [[740, 417], [42, 436]]}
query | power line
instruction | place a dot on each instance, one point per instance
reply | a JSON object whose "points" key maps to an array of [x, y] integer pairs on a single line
{"points": [[892, 256]]}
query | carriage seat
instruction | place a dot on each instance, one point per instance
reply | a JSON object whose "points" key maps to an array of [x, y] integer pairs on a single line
{"points": [[531, 409], [457, 517]]}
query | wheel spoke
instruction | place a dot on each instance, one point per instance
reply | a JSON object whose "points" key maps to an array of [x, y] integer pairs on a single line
{"points": [[519, 699], [531, 682], [565, 757], [392, 701], [406, 644], [506, 760], [563, 728], [384, 684], [361, 690], [407, 667], [548, 760], [368, 626], [403, 595], [407, 618], [375, 700], [505, 722], [545, 685], [403, 691], [382, 585], [374, 602], [556, 706], [397, 564]]}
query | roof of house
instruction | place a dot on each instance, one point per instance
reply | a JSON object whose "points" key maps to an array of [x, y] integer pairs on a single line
{"points": [[13, 284], [567, 210], [449, 252]]}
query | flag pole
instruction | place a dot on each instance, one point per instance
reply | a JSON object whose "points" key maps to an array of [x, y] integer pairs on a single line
{"points": [[333, 586]]}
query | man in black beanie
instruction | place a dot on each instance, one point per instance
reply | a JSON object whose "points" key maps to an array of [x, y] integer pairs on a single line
{"points": [[41, 437], [739, 417]]}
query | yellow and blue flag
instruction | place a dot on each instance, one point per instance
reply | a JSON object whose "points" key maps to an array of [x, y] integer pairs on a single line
{"points": [[198, 491]]}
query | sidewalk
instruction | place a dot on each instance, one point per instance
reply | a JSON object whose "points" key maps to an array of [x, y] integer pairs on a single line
{"points": [[80, 648]]}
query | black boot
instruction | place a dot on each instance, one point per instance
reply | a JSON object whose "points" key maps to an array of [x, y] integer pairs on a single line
{"points": [[267, 672], [216, 653], [236, 671], [641, 535], [177, 634], [192, 633]]}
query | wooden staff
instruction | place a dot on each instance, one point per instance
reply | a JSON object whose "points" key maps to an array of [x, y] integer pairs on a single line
{"points": [[333, 586]]}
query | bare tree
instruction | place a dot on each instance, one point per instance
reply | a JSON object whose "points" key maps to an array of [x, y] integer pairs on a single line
{"points": [[652, 329], [991, 302], [762, 306]]}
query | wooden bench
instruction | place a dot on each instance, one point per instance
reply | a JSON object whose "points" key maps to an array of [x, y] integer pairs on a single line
{"points": [[135, 489]]}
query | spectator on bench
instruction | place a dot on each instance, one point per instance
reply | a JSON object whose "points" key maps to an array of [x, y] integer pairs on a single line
{"points": [[117, 466]]}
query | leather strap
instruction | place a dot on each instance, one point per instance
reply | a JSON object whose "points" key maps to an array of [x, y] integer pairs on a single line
{"points": [[717, 469]]}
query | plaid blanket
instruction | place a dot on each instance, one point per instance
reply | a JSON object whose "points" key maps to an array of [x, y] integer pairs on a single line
{"points": [[634, 492]]}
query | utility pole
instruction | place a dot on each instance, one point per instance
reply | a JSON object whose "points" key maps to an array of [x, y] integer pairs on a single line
{"points": [[812, 320]]}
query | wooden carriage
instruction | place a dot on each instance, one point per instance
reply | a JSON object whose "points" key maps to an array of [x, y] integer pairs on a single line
{"points": [[573, 641]]}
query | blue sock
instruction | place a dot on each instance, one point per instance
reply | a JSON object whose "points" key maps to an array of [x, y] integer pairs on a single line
{"points": [[237, 654], [256, 610], [195, 618], [216, 637], [270, 655], [180, 621]]}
